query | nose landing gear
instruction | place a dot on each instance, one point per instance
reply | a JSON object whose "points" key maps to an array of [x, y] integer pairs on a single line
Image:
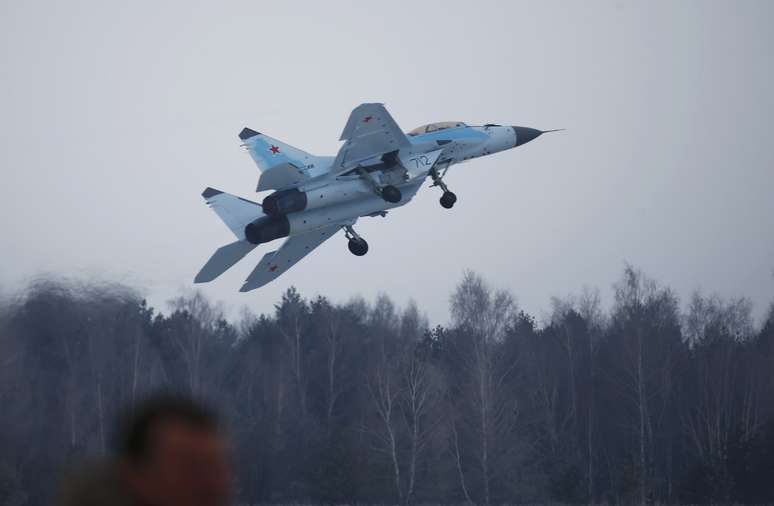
{"points": [[448, 198], [356, 244]]}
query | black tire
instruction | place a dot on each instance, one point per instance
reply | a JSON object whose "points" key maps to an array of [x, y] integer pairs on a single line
{"points": [[358, 247], [391, 194], [448, 199]]}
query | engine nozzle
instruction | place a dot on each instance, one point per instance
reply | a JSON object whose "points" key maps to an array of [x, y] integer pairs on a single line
{"points": [[267, 228], [284, 202]]}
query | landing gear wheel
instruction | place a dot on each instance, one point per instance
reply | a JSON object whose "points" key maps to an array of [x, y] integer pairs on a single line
{"points": [[358, 247], [391, 194], [448, 199]]}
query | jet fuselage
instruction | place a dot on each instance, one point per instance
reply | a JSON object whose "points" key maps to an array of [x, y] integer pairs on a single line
{"points": [[341, 198]]}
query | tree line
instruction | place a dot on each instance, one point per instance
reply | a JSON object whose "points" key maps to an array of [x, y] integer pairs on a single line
{"points": [[649, 401]]}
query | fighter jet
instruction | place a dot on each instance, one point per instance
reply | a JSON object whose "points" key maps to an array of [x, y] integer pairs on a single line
{"points": [[378, 168]]}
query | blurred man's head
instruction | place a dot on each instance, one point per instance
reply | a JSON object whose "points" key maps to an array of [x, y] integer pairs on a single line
{"points": [[172, 453]]}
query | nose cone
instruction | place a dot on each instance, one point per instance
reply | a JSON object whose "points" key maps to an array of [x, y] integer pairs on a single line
{"points": [[525, 134]]}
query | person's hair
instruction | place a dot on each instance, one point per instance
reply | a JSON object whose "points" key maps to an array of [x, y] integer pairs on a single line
{"points": [[135, 436]]}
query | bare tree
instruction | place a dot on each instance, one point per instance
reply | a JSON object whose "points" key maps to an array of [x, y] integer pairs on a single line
{"points": [[200, 318], [646, 334], [334, 346], [717, 329], [457, 453], [417, 400], [590, 309], [384, 394], [291, 317], [484, 315]]}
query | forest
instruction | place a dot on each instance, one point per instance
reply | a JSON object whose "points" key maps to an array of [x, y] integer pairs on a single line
{"points": [[656, 399]]}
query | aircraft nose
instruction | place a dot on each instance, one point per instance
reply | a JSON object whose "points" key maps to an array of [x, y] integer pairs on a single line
{"points": [[525, 134]]}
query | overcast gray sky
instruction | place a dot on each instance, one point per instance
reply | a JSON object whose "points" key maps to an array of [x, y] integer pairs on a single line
{"points": [[115, 116]]}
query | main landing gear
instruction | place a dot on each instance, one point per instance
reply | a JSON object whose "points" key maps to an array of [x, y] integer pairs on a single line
{"points": [[357, 245], [448, 198]]}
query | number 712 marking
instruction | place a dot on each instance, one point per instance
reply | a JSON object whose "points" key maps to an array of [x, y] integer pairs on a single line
{"points": [[420, 161]]}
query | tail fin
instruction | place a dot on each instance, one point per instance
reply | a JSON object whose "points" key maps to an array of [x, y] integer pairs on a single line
{"points": [[268, 152], [235, 212]]}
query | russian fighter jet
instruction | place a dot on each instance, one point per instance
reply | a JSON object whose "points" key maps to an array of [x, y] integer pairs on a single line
{"points": [[378, 168]]}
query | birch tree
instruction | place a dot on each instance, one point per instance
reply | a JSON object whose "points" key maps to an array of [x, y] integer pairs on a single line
{"points": [[483, 315]]}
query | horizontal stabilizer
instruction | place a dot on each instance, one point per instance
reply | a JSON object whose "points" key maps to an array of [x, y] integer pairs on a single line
{"points": [[235, 212], [223, 259]]}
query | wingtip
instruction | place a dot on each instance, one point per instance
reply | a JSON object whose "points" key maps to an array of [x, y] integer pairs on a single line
{"points": [[210, 192], [246, 133]]}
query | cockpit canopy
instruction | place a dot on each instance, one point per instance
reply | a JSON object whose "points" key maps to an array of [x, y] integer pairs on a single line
{"points": [[434, 127]]}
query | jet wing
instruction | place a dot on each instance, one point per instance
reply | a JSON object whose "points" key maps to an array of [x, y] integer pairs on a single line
{"points": [[369, 132], [274, 263]]}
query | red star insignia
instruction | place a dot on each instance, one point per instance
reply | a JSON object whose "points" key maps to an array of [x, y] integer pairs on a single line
{"points": [[274, 149], [367, 119], [273, 268]]}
